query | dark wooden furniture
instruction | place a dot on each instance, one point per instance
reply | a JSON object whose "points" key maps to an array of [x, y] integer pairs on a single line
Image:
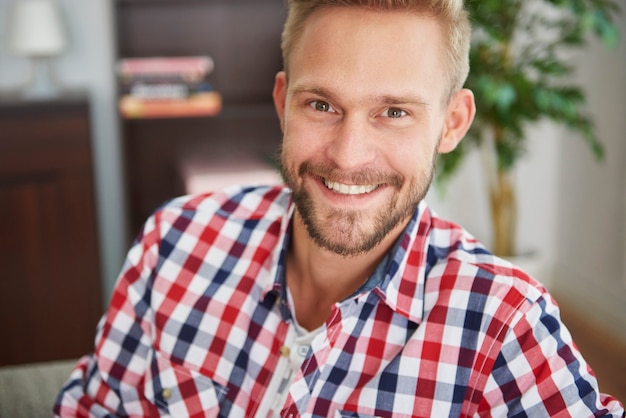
{"points": [[50, 297], [243, 38]]}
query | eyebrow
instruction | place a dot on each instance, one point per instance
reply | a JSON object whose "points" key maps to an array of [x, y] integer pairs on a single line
{"points": [[383, 99]]}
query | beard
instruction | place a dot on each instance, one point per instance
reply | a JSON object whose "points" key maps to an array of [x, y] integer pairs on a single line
{"points": [[353, 232]]}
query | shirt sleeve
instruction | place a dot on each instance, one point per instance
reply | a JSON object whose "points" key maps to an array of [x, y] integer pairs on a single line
{"points": [[110, 381], [540, 372]]}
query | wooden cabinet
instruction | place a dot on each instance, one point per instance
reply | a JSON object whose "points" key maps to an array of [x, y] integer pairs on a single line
{"points": [[50, 295], [243, 39]]}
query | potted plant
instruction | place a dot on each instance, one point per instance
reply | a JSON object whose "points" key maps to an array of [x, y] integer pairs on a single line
{"points": [[519, 74]]}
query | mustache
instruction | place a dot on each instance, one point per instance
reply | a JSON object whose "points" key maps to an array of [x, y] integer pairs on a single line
{"points": [[360, 177]]}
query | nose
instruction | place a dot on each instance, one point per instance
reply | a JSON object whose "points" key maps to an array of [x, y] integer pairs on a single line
{"points": [[353, 143]]}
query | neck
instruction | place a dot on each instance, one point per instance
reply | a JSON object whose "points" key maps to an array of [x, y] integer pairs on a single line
{"points": [[318, 278]]}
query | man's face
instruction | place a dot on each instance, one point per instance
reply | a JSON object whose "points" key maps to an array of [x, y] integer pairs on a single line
{"points": [[362, 116]]}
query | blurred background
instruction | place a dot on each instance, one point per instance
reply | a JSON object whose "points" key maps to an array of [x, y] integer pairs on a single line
{"points": [[70, 151]]}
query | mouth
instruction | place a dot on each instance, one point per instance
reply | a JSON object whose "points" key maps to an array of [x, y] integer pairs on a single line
{"points": [[349, 189]]}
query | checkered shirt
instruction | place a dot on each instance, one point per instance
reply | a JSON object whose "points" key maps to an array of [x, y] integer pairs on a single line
{"points": [[197, 321]]}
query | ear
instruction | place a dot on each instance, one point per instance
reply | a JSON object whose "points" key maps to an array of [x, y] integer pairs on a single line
{"points": [[279, 95], [458, 119]]}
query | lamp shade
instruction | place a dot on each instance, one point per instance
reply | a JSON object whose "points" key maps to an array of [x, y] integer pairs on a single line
{"points": [[36, 28]]}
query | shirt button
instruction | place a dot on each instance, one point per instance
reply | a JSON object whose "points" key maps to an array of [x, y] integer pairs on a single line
{"points": [[303, 350], [166, 393], [285, 351]]}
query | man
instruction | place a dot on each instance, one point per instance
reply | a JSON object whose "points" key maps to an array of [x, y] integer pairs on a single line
{"points": [[341, 295]]}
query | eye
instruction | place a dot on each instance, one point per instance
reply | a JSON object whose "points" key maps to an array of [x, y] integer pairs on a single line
{"points": [[321, 106], [394, 113]]}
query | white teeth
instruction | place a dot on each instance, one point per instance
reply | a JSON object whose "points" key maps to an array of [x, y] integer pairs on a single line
{"points": [[349, 189]]}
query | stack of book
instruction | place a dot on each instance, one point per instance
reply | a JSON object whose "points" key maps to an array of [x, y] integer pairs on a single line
{"points": [[167, 87]]}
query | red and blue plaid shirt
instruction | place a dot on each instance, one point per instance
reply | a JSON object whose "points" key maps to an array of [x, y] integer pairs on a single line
{"points": [[198, 318]]}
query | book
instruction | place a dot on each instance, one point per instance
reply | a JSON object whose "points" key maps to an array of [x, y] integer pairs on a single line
{"points": [[190, 67], [196, 105], [163, 87]]}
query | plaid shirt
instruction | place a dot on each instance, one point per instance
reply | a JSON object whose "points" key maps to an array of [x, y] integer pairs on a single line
{"points": [[197, 320]]}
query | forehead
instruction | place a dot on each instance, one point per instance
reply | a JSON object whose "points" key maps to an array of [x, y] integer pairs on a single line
{"points": [[355, 46]]}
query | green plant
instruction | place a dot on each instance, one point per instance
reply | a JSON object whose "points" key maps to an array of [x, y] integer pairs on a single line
{"points": [[519, 74]]}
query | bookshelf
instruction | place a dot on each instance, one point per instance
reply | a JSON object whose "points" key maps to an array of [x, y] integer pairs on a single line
{"points": [[243, 39]]}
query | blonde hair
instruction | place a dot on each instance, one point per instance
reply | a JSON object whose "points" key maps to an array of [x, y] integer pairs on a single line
{"points": [[451, 15]]}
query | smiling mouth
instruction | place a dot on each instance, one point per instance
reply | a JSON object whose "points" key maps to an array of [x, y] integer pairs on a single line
{"points": [[348, 189]]}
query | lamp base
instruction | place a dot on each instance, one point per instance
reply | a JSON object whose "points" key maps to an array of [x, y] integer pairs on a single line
{"points": [[42, 85]]}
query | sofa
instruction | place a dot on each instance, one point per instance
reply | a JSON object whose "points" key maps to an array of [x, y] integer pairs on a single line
{"points": [[29, 390]]}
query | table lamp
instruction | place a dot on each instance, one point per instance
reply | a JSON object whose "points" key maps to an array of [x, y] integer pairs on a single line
{"points": [[37, 32]]}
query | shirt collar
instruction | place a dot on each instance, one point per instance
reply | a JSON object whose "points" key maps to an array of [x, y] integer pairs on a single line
{"points": [[404, 284]]}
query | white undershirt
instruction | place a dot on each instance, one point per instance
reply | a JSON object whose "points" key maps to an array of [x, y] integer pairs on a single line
{"points": [[293, 352]]}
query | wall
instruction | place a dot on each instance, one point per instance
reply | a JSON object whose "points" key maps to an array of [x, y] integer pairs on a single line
{"points": [[572, 209], [87, 64], [592, 197]]}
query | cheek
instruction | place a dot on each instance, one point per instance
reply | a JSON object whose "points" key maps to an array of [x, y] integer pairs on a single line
{"points": [[293, 150], [301, 142], [414, 161]]}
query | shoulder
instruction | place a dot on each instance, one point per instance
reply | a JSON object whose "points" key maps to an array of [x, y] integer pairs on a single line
{"points": [[464, 274], [231, 212], [233, 203]]}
